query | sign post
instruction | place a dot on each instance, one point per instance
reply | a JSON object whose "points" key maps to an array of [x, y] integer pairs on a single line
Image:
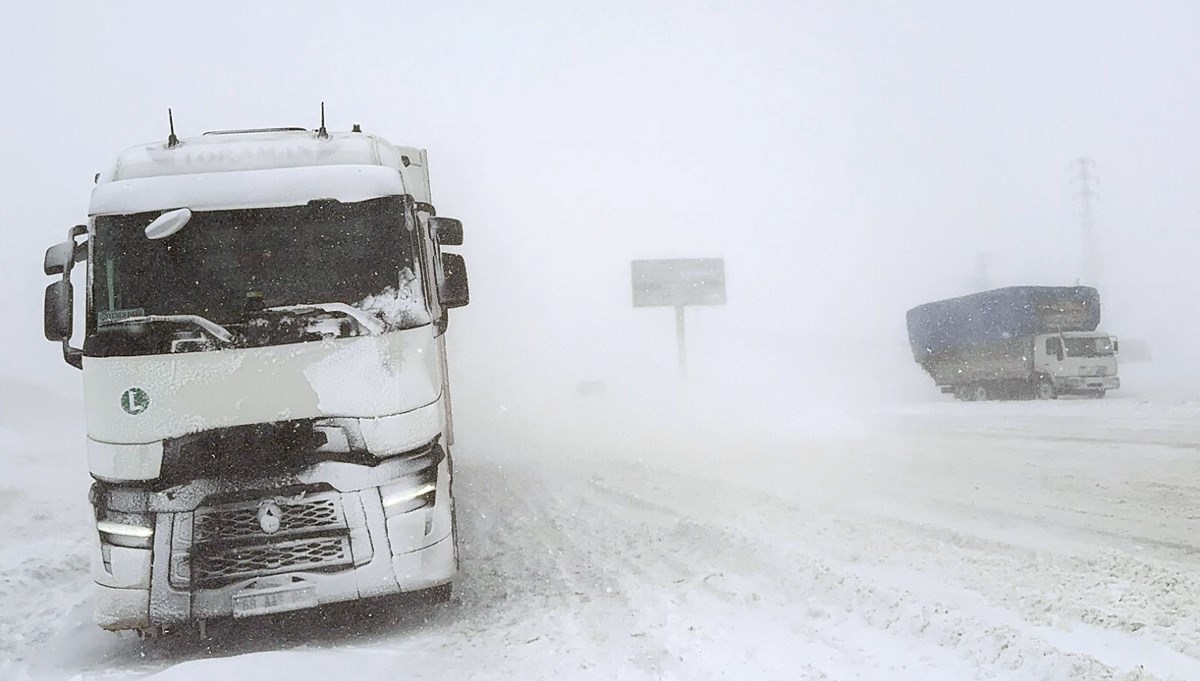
{"points": [[676, 283], [680, 342]]}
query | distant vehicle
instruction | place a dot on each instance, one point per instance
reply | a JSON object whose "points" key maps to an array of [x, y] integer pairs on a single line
{"points": [[1016, 343], [264, 375]]}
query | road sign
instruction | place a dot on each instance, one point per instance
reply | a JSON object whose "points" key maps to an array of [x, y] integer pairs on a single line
{"points": [[678, 281], [675, 283]]}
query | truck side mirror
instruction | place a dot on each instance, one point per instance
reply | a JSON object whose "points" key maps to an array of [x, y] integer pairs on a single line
{"points": [[59, 303], [58, 258], [452, 287], [59, 310], [448, 231]]}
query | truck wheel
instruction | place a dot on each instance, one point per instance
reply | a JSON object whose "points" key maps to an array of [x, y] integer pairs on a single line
{"points": [[979, 393], [1099, 394], [1045, 390]]}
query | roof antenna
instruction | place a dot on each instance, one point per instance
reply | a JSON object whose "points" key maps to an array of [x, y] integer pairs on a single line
{"points": [[322, 133], [172, 141]]}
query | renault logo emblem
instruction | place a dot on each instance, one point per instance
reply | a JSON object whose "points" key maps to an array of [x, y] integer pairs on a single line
{"points": [[269, 517]]}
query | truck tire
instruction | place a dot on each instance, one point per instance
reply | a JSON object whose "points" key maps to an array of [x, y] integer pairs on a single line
{"points": [[979, 393], [1045, 389], [1098, 394]]}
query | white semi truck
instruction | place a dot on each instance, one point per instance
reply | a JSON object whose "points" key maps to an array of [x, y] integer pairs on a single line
{"points": [[264, 375]]}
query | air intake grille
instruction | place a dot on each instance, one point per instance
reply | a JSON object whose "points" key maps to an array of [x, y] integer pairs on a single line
{"points": [[228, 523], [229, 543], [215, 567]]}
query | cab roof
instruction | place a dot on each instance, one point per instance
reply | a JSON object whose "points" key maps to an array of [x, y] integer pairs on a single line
{"points": [[258, 150], [202, 164]]}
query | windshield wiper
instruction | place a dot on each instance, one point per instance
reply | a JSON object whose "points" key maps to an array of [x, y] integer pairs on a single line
{"points": [[214, 329], [367, 321]]}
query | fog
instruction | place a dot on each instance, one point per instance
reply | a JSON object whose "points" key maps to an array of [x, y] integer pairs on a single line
{"points": [[848, 162]]}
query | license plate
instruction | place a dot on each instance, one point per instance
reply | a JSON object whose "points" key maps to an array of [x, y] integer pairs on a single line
{"points": [[267, 601]]}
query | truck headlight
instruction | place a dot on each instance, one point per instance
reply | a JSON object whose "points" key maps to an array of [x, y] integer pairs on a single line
{"points": [[408, 495], [132, 530]]}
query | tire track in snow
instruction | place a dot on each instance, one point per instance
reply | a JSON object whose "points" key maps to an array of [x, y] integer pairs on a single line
{"points": [[538, 560], [836, 581]]}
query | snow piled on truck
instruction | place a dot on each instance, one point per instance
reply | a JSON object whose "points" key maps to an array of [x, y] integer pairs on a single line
{"points": [[400, 306]]}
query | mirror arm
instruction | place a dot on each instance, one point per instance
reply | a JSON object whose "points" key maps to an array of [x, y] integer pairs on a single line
{"points": [[72, 356], [72, 234]]}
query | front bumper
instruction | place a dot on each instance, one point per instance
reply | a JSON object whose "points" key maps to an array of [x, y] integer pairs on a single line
{"points": [[1089, 383], [335, 542], [119, 609]]}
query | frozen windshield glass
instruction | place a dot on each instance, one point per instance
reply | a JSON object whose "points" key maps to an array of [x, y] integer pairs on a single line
{"points": [[225, 263], [1088, 347]]}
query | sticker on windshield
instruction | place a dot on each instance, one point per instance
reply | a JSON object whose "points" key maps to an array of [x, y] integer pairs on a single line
{"points": [[115, 316], [135, 401]]}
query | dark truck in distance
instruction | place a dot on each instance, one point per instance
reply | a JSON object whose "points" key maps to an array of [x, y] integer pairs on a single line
{"points": [[1016, 343]]}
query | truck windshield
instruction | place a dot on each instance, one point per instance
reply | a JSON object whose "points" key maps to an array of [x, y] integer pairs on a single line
{"points": [[224, 264], [1089, 347]]}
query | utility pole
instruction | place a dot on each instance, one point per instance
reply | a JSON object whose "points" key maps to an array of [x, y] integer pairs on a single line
{"points": [[1090, 254]]}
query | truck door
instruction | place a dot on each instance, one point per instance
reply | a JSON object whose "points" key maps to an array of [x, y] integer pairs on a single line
{"points": [[1048, 354]]}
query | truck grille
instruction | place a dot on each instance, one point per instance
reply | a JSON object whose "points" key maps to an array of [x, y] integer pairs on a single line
{"points": [[216, 567], [229, 544], [235, 522]]}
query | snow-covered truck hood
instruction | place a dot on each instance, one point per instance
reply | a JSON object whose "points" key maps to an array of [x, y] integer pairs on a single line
{"points": [[145, 399]]}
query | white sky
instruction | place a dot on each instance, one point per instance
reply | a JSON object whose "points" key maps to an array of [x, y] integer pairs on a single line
{"points": [[849, 160]]}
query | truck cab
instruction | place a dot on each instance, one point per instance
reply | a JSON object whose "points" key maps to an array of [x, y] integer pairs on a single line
{"points": [[1076, 363], [265, 376]]}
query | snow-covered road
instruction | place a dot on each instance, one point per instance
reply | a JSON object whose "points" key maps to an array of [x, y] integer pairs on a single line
{"points": [[942, 541]]}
